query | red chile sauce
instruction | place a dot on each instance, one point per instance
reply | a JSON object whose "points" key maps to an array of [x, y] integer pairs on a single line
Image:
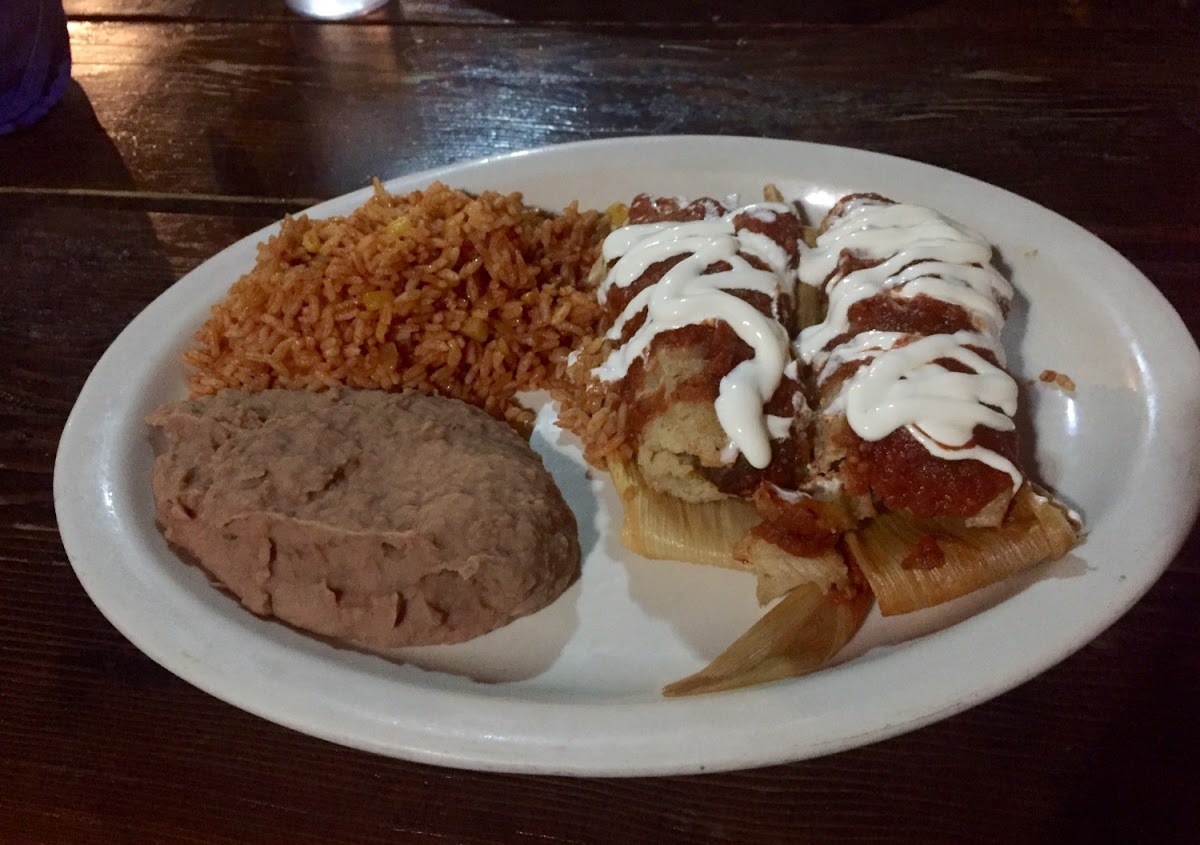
{"points": [[921, 314], [804, 528], [897, 470], [926, 554], [716, 344], [904, 476]]}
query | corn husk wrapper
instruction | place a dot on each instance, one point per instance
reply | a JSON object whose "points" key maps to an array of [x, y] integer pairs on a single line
{"points": [[658, 525], [798, 635], [1036, 529]]}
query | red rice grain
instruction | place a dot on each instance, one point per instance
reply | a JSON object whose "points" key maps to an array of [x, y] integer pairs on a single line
{"points": [[476, 298]]}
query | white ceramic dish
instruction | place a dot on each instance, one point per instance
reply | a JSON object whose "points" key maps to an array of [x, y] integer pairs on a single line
{"points": [[575, 689]]}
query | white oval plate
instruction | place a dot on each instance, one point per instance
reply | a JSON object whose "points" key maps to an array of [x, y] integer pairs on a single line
{"points": [[575, 689]]}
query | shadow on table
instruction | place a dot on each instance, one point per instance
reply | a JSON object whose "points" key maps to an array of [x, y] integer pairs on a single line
{"points": [[79, 262], [84, 255], [1129, 796], [68, 148]]}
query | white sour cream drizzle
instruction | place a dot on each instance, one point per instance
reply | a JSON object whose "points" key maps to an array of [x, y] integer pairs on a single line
{"points": [[903, 387], [686, 296], [918, 251]]}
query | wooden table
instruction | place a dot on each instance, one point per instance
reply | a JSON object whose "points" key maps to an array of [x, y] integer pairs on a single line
{"points": [[194, 122]]}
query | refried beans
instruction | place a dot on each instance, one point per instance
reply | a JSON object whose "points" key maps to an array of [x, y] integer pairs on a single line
{"points": [[380, 519]]}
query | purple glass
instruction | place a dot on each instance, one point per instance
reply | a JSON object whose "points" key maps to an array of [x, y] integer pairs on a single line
{"points": [[35, 60]]}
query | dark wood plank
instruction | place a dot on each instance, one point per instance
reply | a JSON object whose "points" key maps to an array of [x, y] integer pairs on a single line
{"points": [[101, 745], [195, 122], [983, 13], [277, 111], [1031, 765], [398, 11]]}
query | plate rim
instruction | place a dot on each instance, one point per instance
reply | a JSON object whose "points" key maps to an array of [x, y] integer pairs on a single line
{"points": [[506, 754]]}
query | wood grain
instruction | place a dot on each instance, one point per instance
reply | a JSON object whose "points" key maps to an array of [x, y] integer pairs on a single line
{"points": [[270, 111], [1039, 759], [193, 123], [979, 13], [160, 754]]}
